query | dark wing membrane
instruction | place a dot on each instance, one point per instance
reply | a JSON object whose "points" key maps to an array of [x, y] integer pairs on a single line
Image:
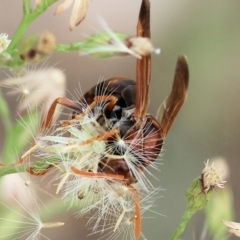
{"points": [[172, 104]]}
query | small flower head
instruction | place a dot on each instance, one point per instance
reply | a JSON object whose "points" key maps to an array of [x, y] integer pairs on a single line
{"points": [[212, 177], [4, 42], [201, 190], [78, 12], [234, 227], [221, 205]]}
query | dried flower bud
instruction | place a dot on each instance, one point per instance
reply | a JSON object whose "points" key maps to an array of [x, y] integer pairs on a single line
{"points": [[36, 47], [46, 43], [140, 45]]}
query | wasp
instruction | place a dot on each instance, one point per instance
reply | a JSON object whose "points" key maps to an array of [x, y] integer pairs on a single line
{"points": [[124, 119]]}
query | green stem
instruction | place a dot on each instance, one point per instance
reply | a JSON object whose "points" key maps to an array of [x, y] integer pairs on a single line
{"points": [[5, 170], [26, 7], [5, 114], [76, 46], [182, 226], [28, 18]]}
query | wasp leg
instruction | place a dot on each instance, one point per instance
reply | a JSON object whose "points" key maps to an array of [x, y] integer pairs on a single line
{"points": [[99, 99], [104, 136], [96, 174], [137, 212], [62, 101], [111, 99], [172, 104], [45, 124]]}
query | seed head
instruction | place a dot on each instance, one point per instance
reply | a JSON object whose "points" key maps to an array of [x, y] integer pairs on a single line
{"points": [[212, 177]]}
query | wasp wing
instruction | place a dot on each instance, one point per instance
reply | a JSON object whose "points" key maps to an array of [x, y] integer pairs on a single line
{"points": [[143, 71], [172, 104]]}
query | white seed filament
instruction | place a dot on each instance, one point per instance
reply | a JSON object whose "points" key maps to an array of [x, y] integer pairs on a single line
{"points": [[61, 183], [119, 220], [30, 151], [52, 224], [115, 156]]}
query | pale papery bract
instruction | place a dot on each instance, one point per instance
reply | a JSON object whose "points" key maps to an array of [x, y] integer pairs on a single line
{"points": [[78, 11], [234, 227]]}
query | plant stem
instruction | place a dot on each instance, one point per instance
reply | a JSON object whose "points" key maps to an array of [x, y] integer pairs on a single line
{"points": [[28, 18], [5, 115], [26, 7], [182, 226], [77, 46], [5, 170]]}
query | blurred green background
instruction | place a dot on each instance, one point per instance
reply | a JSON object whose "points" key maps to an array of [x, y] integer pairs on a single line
{"points": [[208, 33]]}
